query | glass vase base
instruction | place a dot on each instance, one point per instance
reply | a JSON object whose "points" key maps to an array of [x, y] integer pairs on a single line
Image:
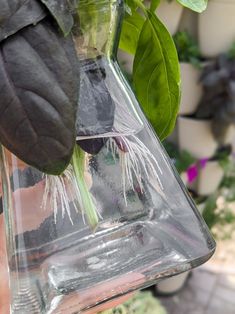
{"points": [[117, 261]]}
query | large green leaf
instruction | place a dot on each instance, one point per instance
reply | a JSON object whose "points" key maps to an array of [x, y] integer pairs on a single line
{"points": [[154, 4], [156, 75], [195, 5], [131, 28]]}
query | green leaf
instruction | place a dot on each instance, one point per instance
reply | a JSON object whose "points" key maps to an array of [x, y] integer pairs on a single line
{"points": [[156, 75], [154, 5], [132, 4], [131, 28], [195, 5]]}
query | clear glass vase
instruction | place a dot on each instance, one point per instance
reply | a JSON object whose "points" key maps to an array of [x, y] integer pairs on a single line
{"points": [[119, 218]]}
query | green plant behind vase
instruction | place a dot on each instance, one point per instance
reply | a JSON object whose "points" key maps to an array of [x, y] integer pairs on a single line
{"points": [[187, 48]]}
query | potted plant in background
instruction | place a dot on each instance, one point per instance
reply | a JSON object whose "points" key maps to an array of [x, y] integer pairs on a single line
{"points": [[195, 136], [182, 161], [217, 27], [189, 57], [212, 171], [212, 124], [218, 210], [218, 101], [170, 11]]}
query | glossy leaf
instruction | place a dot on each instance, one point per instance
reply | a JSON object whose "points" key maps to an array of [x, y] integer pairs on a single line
{"points": [[60, 10], [17, 14], [39, 81], [156, 75], [131, 4], [195, 5], [154, 4], [131, 28]]}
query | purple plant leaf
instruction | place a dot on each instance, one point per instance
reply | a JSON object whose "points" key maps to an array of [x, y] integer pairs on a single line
{"points": [[39, 84], [17, 14], [60, 10]]}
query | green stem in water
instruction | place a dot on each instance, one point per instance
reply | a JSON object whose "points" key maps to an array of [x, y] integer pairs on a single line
{"points": [[78, 162]]}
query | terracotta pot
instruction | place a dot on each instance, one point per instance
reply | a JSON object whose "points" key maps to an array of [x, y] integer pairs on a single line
{"points": [[209, 178], [217, 27], [170, 14], [191, 88], [195, 136], [172, 285]]}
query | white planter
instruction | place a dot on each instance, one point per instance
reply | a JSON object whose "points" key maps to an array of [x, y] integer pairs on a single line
{"points": [[172, 285], [184, 178], [230, 136], [191, 88], [126, 61], [170, 14], [195, 136], [209, 178], [217, 27]]}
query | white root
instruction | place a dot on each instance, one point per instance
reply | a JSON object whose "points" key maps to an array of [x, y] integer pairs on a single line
{"points": [[135, 160], [60, 191]]}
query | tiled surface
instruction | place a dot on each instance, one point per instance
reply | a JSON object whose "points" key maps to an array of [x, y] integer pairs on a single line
{"points": [[211, 288]]}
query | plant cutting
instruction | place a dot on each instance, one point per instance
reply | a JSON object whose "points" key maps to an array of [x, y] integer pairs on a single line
{"points": [[61, 159], [169, 12], [77, 216], [190, 61]]}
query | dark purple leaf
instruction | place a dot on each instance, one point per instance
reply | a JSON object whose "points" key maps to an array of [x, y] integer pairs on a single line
{"points": [[93, 146], [60, 10], [96, 107], [39, 83], [17, 14]]}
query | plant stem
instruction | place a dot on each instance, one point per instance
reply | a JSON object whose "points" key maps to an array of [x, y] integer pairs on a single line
{"points": [[142, 6], [78, 162]]}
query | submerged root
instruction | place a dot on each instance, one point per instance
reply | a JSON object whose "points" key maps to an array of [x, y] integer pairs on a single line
{"points": [[135, 160], [60, 191]]}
